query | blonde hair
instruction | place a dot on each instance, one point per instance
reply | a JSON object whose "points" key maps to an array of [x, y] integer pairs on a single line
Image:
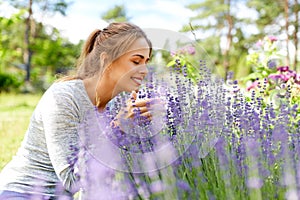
{"points": [[114, 40]]}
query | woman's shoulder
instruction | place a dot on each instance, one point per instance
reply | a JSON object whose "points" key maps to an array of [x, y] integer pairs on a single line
{"points": [[72, 90], [69, 85], [67, 96]]}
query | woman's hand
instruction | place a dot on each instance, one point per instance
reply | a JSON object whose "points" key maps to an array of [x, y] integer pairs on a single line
{"points": [[144, 109]]}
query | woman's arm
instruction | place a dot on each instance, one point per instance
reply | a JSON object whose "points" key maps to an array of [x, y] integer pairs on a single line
{"points": [[61, 119]]}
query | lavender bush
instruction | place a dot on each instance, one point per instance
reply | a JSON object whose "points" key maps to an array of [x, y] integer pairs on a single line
{"points": [[210, 142]]}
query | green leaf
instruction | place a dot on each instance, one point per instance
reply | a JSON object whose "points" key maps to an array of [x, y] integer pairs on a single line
{"points": [[171, 63]]}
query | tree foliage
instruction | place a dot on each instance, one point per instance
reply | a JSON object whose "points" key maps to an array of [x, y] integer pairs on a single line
{"points": [[116, 14], [32, 6], [222, 30], [228, 28], [51, 52]]}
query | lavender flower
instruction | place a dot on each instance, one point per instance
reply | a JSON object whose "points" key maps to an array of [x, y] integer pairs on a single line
{"points": [[272, 64], [212, 142], [254, 182], [183, 185]]}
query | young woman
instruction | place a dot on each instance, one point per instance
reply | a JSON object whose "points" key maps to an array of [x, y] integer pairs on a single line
{"points": [[113, 60]]}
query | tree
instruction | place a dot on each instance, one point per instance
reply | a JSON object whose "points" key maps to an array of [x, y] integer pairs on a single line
{"points": [[271, 14], [217, 18], [226, 37], [11, 40], [286, 17], [116, 14], [295, 10], [52, 53], [28, 52], [43, 6]]}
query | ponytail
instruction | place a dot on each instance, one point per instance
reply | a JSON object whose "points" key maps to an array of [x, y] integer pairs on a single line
{"points": [[88, 46]]}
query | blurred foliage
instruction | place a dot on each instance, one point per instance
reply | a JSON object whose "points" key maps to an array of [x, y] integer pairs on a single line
{"points": [[227, 29], [51, 53], [116, 14], [9, 82], [11, 38], [225, 42], [44, 6], [224, 31], [273, 81], [185, 60]]}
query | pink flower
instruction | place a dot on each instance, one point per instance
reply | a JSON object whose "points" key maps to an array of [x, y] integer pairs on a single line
{"points": [[276, 77], [272, 38], [252, 86], [259, 43], [283, 68], [297, 78], [191, 50], [285, 77], [291, 74], [173, 53]]}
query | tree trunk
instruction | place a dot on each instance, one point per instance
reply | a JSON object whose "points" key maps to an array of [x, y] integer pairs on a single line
{"points": [[296, 11], [286, 14], [228, 39], [28, 52]]}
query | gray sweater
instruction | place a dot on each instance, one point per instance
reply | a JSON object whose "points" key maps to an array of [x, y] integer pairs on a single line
{"points": [[41, 163]]}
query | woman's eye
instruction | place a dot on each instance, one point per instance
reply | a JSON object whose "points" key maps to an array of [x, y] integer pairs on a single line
{"points": [[136, 62]]}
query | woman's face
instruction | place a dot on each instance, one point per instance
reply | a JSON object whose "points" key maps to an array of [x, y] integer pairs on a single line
{"points": [[128, 71]]}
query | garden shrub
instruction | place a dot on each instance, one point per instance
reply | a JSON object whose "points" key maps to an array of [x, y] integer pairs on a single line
{"points": [[9, 82]]}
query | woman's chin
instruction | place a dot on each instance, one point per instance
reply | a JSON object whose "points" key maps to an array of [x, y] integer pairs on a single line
{"points": [[132, 89]]}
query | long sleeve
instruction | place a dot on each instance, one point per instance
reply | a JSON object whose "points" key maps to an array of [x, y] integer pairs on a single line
{"points": [[42, 163], [61, 118]]}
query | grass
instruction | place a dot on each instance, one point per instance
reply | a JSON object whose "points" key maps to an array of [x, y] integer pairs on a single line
{"points": [[15, 113]]}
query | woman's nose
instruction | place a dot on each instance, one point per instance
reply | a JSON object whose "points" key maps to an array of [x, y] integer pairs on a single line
{"points": [[143, 69]]}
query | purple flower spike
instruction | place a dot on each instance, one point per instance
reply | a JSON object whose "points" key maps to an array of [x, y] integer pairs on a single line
{"points": [[283, 68], [183, 185], [157, 187], [271, 64], [254, 182]]}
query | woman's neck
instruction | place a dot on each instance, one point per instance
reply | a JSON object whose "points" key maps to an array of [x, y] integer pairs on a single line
{"points": [[99, 92]]}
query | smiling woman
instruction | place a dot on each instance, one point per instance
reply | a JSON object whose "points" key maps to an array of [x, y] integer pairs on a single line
{"points": [[130, 69], [113, 60]]}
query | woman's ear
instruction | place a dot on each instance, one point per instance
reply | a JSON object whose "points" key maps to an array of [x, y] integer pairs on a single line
{"points": [[105, 62], [103, 58]]}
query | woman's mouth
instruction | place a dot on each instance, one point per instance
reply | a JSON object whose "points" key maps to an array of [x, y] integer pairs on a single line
{"points": [[137, 80]]}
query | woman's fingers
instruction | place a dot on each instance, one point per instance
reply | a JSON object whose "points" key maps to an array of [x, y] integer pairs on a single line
{"points": [[133, 95], [141, 106], [147, 114], [141, 102], [147, 102], [140, 109]]}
